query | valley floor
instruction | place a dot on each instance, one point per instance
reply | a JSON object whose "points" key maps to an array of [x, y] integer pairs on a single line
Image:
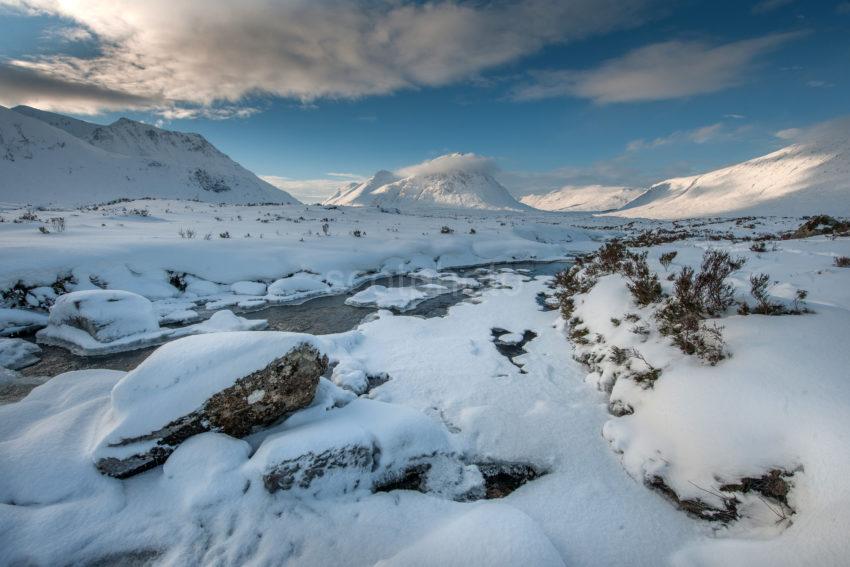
{"points": [[494, 382]]}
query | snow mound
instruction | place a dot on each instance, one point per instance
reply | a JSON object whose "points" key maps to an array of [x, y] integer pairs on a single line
{"points": [[808, 177], [51, 159], [459, 181], [583, 198], [106, 315], [489, 534]]}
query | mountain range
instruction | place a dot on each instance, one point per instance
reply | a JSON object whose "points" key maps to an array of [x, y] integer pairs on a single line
{"points": [[48, 159]]}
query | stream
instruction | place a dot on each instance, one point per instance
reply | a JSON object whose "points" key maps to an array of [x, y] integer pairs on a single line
{"points": [[318, 316]]}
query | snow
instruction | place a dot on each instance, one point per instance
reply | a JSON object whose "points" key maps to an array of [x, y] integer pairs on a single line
{"points": [[583, 198], [392, 438], [106, 315], [460, 181], [58, 161], [807, 178], [14, 321], [18, 353], [108, 321], [489, 534], [385, 298]]}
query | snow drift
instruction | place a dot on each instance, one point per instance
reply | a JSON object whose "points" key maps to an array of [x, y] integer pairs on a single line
{"points": [[48, 159]]}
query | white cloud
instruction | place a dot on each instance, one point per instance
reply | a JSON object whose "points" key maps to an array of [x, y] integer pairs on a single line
{"points": [[661, 71], [198, 52], [449, 163], [788, 133], [702, 135]]}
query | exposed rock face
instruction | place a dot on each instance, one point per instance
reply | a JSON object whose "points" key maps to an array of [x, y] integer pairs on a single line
{"points": [[259, 399], [303, 470]]}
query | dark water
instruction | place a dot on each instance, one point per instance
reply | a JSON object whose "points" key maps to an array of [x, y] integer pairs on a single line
{"points": [[319, 316]]}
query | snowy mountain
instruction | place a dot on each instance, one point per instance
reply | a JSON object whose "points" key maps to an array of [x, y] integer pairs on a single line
{"points": [[809, 177], [50, 159], [583, 198], [458, 181]]}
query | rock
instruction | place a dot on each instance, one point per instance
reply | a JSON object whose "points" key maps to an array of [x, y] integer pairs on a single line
{"points": [[18, 353], [106, 315], [256, 399], [364, 446]]}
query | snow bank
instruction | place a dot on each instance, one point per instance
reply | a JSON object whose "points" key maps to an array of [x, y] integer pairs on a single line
{"points": [[489, 534]]}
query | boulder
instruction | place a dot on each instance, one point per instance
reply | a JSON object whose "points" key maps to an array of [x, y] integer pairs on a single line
{"points": [[232, 383], [18, 353], [106, 315], [365, 446]]}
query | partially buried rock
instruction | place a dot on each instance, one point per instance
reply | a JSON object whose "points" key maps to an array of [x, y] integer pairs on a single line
{"points": [[232, 383]]}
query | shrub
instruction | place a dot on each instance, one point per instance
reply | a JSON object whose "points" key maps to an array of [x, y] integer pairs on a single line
{"points": [[225, 234], [643, 283], [667, 258], [695, 298], [758, 289], [758, 247], [446, 230], [842, 262]]}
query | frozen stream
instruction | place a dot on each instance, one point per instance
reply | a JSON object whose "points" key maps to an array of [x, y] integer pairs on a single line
{"points": [[318, 316]]}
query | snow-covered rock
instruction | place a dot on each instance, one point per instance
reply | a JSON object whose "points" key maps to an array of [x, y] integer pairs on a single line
{"points": [[583, 198], [297, 285], [383, 297], [248, 288], [106, 315], [18, 353], [50, 159], [360, 446], [809, 177], [100, 321], [226, 382], [13, 321], [460, 181]]}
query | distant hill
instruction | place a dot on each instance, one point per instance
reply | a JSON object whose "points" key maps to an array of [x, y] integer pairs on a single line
{"points": [[583, 198], [809, 177], [50, 159], [457, 181]]}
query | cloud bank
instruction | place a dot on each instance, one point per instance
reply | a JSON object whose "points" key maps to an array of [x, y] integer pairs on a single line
{"points": [[169, 54], [450, 163]]}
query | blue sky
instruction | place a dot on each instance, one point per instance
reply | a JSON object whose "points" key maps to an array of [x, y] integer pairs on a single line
{"points": [[557, 93]]}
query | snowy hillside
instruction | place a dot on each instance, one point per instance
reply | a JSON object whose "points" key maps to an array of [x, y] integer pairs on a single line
{"points": [[809, 177], [462, 181], [583, 198], [50, 159]]}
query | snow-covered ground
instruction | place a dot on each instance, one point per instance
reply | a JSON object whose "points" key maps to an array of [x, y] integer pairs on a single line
{"points": [[418, 417]]}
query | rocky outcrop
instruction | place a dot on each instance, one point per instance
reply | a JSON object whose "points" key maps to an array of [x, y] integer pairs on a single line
{"points": [[287, 384]]}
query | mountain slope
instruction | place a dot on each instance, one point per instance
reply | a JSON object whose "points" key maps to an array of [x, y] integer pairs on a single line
{"points": [[49, 159], [809, 177], [457, 181], [583, 198]]}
